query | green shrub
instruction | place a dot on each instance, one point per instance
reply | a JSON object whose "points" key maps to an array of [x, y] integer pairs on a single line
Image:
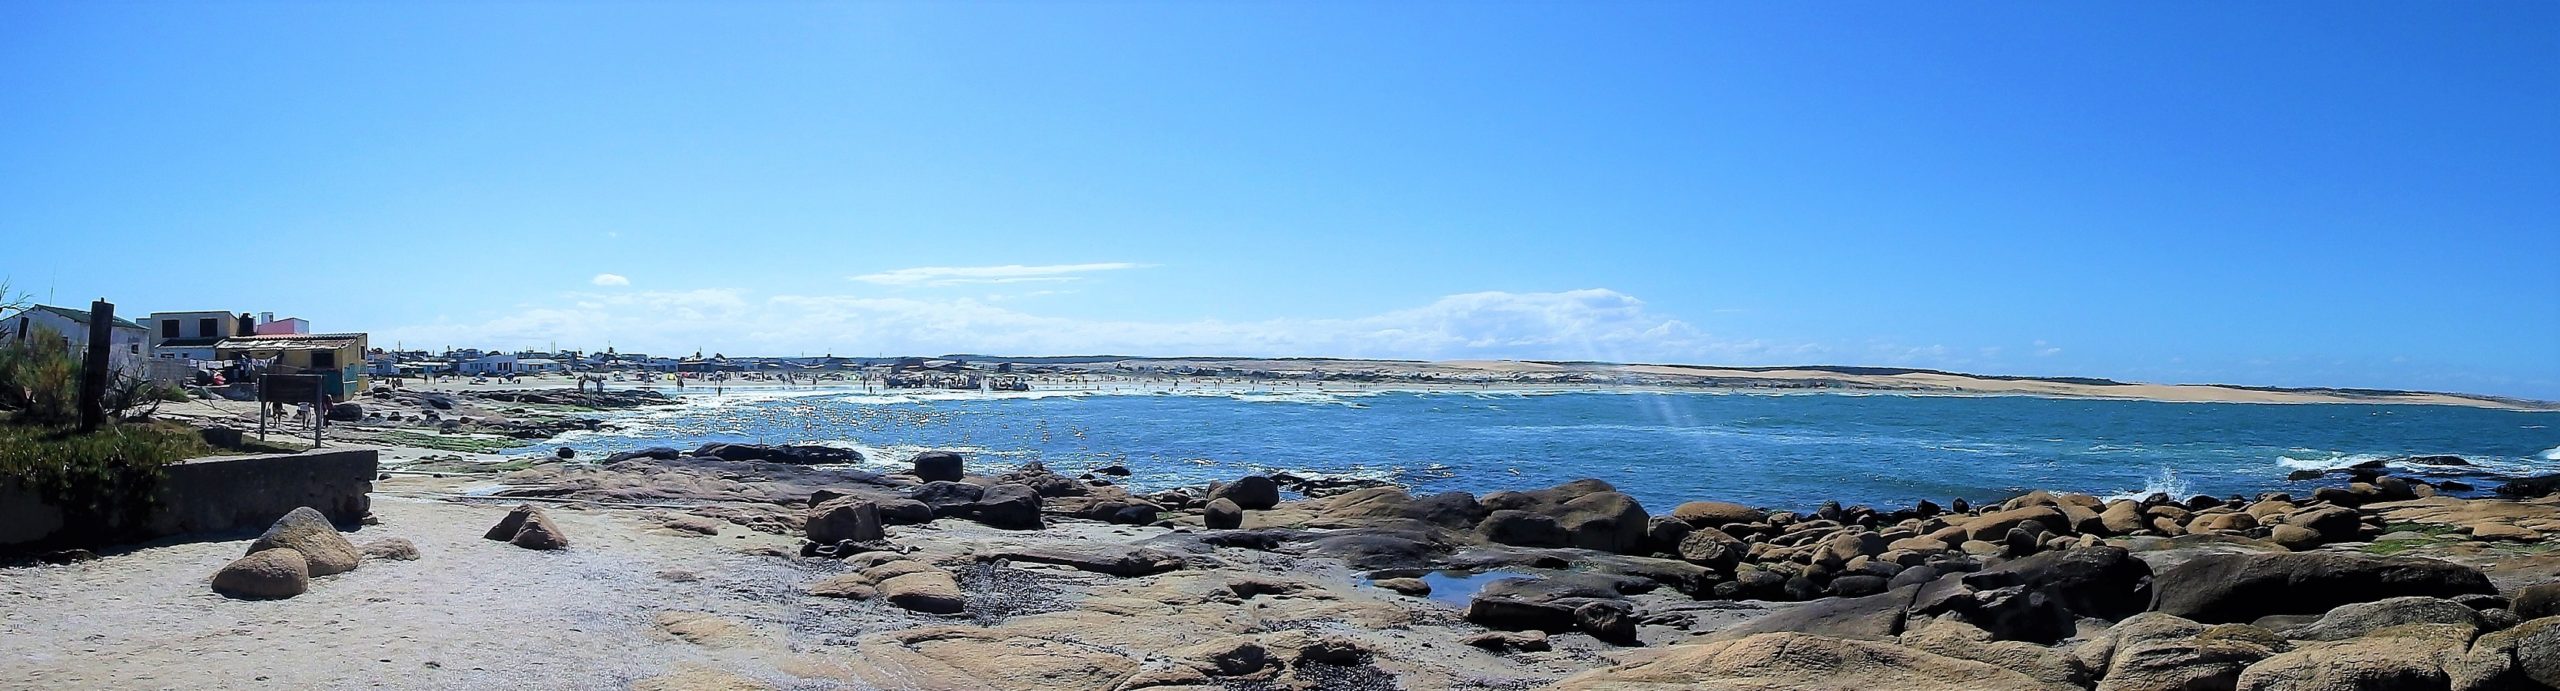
{"points": [[97, 477], [39, 379]]}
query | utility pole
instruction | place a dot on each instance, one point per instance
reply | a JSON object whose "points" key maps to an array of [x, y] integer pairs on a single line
{"points": [[93, 370]]}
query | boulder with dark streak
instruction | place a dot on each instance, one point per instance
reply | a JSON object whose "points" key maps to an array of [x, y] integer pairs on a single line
{"points": [[2239, 588]]}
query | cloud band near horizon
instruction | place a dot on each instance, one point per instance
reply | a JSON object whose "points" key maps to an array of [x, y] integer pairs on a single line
{"points": [[936, 276], [1588, 324]]}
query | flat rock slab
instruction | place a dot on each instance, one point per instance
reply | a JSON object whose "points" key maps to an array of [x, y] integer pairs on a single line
{"points": [[1117, 560]]}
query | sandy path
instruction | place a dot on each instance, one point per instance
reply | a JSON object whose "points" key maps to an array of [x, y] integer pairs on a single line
{"points": [[470, 613]]}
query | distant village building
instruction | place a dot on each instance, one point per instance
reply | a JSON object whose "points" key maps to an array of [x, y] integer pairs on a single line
{"points": [[497, 363], [538, 366], [190, 335], [337, 358], [382, 364], [269, 325], [130, 344]]}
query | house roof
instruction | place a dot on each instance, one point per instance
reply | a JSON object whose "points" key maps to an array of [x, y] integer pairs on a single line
{"points": [[290, 342], [82, 316], [189, 342]]}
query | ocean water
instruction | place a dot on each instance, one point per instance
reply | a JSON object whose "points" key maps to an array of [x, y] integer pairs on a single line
{"points": [[1780, 450]]}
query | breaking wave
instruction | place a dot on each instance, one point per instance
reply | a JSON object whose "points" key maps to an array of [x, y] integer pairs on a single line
{"points": [[2333, 461], [2166, 481]]}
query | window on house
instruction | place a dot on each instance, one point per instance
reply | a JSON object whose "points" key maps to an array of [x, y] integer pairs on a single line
{"points": [[168, 328], [207, 328]]}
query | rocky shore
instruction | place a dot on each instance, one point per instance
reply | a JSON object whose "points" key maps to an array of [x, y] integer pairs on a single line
{"points": [[747, 566], [1580, 586]]}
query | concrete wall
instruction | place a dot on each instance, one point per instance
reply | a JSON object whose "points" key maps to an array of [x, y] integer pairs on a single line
{"points": [[206, 495]]}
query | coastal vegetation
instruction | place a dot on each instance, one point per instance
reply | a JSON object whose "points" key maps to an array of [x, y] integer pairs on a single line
{"points": [[108, 471]]}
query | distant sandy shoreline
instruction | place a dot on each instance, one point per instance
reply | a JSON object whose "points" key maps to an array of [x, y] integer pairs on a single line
{"points": [[1245, 375]]}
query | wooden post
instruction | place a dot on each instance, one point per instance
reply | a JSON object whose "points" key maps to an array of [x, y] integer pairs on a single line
{"points": [[93, 370]]}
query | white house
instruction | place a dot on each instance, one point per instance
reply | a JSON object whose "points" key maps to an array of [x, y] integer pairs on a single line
{"points": [[189, 335], [130, 343], [538, 365], [494, 363]]}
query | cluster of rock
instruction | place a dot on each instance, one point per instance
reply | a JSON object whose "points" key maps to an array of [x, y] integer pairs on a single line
{"points": [[2366, 478], [1967, 597], [303, 545], [1857, 550], [481, 412], [2321, 621], [300, 546], [2043, 590], [1019, 498], [852, 524]]}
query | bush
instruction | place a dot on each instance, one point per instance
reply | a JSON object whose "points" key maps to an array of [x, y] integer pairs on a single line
{"points": [[100, 478], [128, 391], [39, 379]]}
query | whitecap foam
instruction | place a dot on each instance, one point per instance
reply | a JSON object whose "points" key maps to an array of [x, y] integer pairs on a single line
{"points": [[2332, 461], [2520, 466], [2503, 466], [2166, 481], [1308, 397]]}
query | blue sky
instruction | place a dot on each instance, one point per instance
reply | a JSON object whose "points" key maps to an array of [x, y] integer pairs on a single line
{"points": [[2338, 194]]}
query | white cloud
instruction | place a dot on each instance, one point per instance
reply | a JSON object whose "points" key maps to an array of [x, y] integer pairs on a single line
{"points": [[1010, 273], [1593, 324], [610, 280]]}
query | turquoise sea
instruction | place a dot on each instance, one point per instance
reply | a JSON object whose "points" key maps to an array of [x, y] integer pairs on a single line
{"points": [[1790, 450]]}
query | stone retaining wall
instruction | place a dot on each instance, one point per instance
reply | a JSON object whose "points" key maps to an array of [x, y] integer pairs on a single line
{"points": [[204, 495]]}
